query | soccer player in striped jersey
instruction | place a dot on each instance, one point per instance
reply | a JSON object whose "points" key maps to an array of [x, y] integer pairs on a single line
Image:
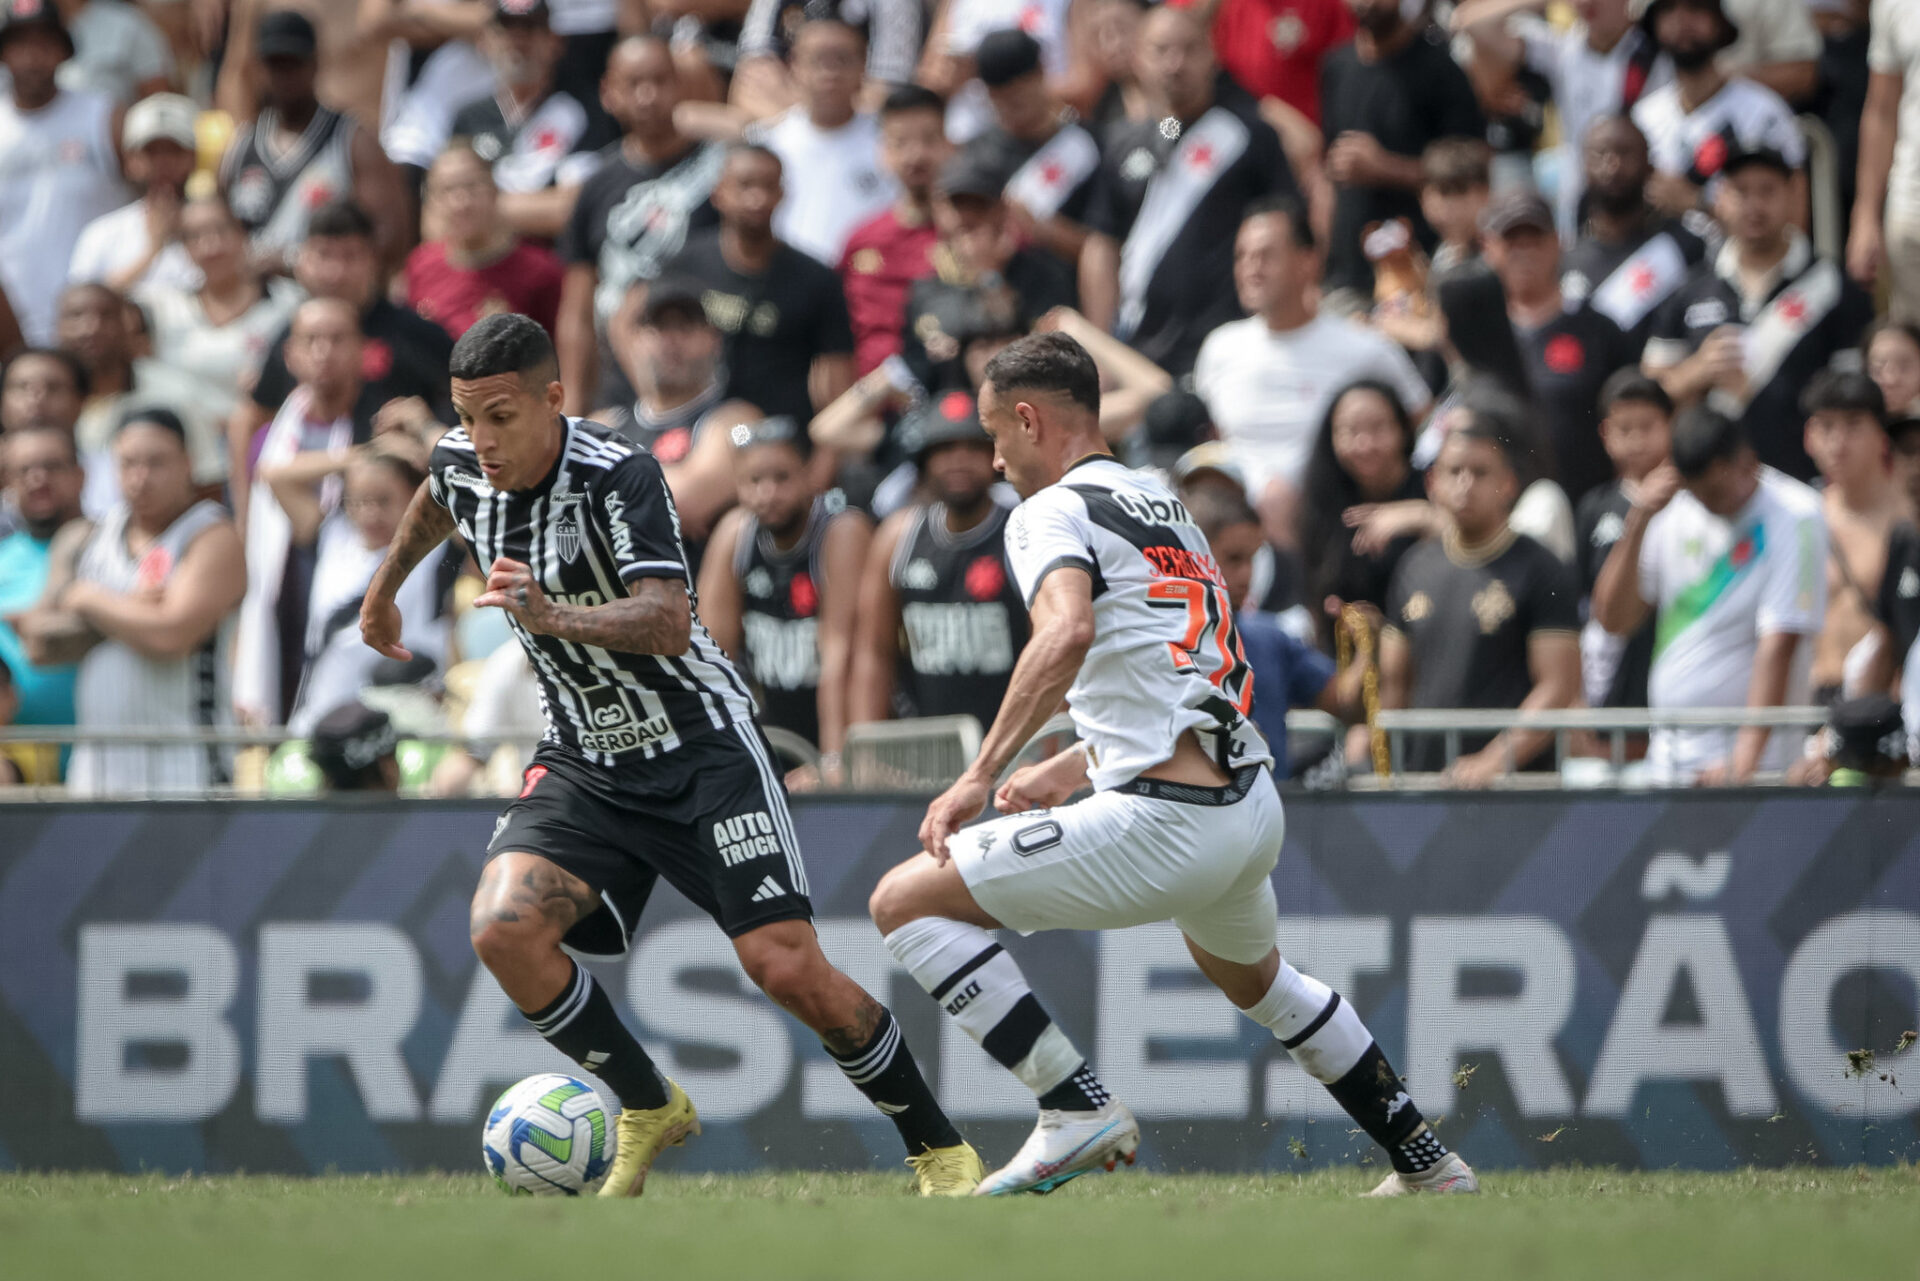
{"points": [[651, 767]]}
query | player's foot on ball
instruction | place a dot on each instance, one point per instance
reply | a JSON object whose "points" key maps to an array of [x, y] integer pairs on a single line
{"points": [[1066, 1145], [953, 1171], [1449, 1174], [644, 1135]]}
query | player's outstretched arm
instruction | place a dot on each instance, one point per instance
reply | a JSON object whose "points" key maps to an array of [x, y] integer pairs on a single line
{"points": [[656, 616], [424, 527]]}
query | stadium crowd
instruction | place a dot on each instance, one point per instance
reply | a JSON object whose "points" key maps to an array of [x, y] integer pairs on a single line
{"points": [[1491, 344]]}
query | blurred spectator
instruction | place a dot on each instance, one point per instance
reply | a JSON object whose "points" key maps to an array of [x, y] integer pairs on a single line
{"points": [[1629, 258], [985, 283], [1481, 617], [1778, 46], [1695, 123], [529, 129], [960, 27], [1385, 98], [1274, 48], [93, 324], [1636, 426], [829, 151], [504, 704], [1897, 610], [1046, 162], [219, 330], [681, 415], [477, 265], [1753, 325], [139, 244], [632, 215], [780, 585], [1886, 202], [1599, 66], [787, 341], [41, 472], [941, 622], [1570, 349], [353, 748], [308, 438], [1841, 100], [886, 254], [297, 157], [148, 601], [1729, 558], [352, 78], [42, 388], [31, 764], [59, 150], [1847, 439], [1269, 379], [403, 355], [121, 53], [1157, 269], [763, 82], [1892, 350], [1456, 181], [376, 482], [1362, 457]]}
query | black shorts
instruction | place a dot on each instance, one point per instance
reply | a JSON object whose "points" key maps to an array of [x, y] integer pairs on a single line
{"points": [[710, 817]]}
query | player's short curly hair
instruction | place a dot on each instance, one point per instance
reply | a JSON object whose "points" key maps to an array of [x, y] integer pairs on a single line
{"points": [[1048, 362], [508, 343]]}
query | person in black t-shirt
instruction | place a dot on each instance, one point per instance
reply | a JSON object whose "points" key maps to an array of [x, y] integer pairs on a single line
{"points": [[1630, 257], [1481, 617], [1157, 270], [1384, 97], [787, 341], [1569, 348], [632, 215], [1636, 426], [1045, 160]]}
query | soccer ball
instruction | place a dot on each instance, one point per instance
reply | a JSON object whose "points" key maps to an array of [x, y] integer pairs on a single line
{"points": [[549, 1134]]}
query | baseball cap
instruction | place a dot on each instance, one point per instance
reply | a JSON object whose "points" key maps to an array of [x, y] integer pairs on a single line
{"points": [[171, 116], [947, 419], [1650, 11], [968, 175], [21, 15], [673, 294], [1867, 734], [1005, 56], [1743, 154], [1517, 208], [286, 33], [1213, 456], [348, 742], [527, 12]]}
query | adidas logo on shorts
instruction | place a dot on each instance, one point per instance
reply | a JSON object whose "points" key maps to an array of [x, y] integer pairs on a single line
{"points": [[769, 889]]}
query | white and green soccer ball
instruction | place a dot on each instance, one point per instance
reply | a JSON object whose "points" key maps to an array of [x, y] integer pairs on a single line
{"points": [[549, 1135]]}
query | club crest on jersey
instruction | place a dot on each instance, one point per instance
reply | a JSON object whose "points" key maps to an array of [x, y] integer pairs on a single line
{"points": [[566, 535]]}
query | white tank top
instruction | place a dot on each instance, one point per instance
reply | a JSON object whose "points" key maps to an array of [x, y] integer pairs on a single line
{"points": [[58, 172], [118, 687]]}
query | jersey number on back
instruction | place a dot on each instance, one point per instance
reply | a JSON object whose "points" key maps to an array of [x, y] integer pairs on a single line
{"points": [[1211, 646]]}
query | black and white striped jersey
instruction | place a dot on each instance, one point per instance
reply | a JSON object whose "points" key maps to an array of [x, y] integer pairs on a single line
{"points": [[600, 521]]}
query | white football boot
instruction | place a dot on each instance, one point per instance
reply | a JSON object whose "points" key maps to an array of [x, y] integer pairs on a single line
{"points": [[1066, 1145], [1449, 1174]]}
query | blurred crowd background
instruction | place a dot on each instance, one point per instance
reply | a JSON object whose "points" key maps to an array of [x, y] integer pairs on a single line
{"points": [[1511, 354]]}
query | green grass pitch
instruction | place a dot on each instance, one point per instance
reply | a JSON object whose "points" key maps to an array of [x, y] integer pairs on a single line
{"points": [[1807, 1225]]}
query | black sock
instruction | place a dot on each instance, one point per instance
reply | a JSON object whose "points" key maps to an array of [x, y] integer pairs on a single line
{"points": [[1081, 1092], [581, 1024], [883, 1069], [1374, 1096]]}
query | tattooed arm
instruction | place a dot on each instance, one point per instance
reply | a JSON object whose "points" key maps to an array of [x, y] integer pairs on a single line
{"points": [[655, 617], [424, 527]]}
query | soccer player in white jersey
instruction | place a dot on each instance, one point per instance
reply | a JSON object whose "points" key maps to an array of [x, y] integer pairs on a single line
{"points": [[1132, 626]]}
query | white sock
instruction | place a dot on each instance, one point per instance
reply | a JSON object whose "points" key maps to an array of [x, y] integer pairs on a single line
{"points": [[975, 981], [1320, 1030]]}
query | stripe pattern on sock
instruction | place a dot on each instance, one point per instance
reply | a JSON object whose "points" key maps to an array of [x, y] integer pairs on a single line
{"points": [[873, 1060], [564, 1010]]}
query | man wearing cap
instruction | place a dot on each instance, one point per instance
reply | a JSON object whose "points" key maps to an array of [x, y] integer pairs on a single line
{"points": [[296, 155], [1570, 349], [59, 162], [1700, 118], [1157, 269], [940, 619], [139, 244], [353, 746], [1046, 160], [1756, 321], [886, 254]]}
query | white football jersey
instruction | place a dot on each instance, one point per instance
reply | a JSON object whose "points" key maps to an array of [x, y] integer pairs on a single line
{"points": [[1166, 657]]}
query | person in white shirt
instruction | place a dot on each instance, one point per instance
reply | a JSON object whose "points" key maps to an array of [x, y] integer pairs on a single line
{"points": [[947, 67], [1269, 379], [1704, 114], [1730, 558], [1886, 205], [829, 152], [138, 244], [1779, 46], [122, 53]]}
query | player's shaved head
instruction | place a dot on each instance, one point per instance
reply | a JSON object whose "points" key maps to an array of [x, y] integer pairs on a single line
{"points": [[505, 344]]}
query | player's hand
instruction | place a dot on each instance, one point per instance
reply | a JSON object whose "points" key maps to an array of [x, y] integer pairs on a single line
{"points": [[511, 586], [380, 627], [1657, 488], [958, 804], [1042, 785]]}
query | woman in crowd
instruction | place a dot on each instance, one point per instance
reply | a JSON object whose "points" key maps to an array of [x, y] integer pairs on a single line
{"points": [[1892, 350], [1363, 456]]}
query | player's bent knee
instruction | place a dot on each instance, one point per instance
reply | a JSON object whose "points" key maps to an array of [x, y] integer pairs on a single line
{"points": [[787, 974], [892, 903], [506, 944]]}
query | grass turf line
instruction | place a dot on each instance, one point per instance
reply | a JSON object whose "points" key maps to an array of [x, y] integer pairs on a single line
{"points": [[1573, 1223]]}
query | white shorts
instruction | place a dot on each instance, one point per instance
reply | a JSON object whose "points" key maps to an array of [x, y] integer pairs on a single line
{"points": [[1120, 858]]}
